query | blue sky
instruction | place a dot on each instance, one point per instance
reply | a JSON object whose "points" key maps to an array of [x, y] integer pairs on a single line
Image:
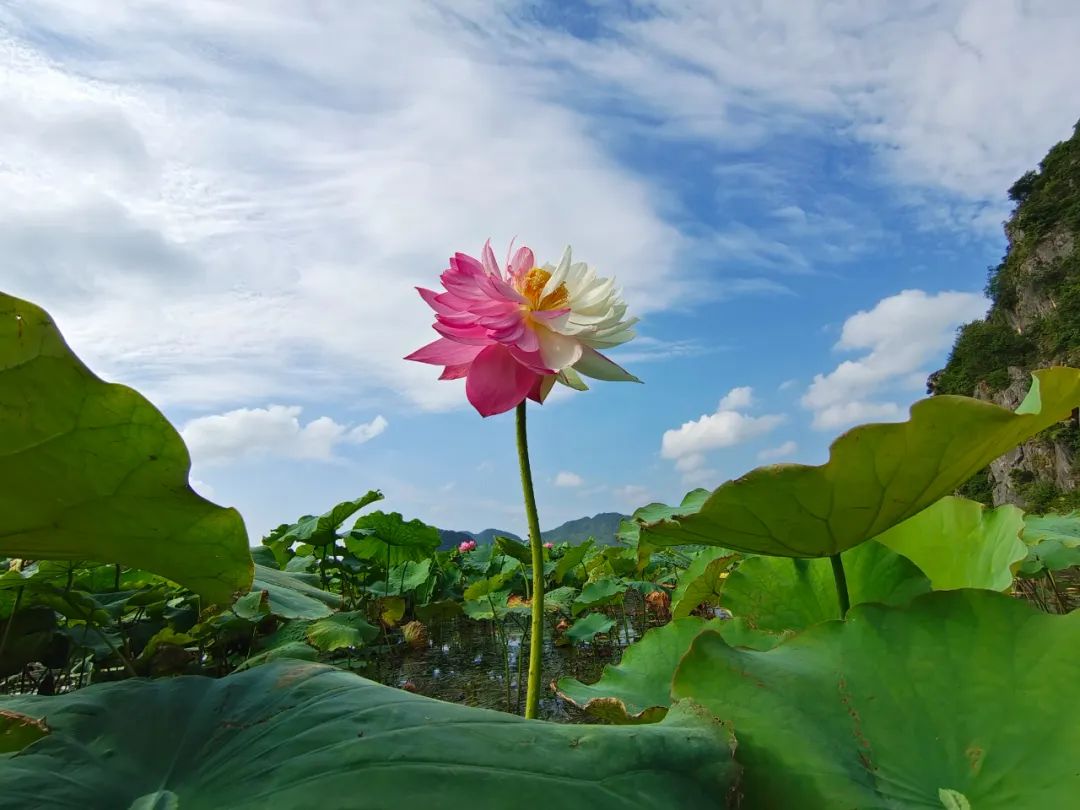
{"points": [[227, 205]]}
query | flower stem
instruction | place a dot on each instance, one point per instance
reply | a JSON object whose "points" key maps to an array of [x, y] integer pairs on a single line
{"points": [[536, 631], [841, 583]]}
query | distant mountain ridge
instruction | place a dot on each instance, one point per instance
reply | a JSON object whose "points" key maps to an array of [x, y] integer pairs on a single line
{"points": [[601, 527]]}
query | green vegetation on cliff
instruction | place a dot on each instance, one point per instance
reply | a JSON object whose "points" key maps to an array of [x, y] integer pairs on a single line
{"points": [[1035, 317]]}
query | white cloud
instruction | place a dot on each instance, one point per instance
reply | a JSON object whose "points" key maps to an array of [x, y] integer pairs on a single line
{"points": [[203, 488], [568, 479], [787, 384], [631, 496], [715, 430], [900, 335], [702, 477], [726, 427], [224, 201], [846, 414], [785, 450], [737, 399], [742, 73], [690, 462], [273, 431]]}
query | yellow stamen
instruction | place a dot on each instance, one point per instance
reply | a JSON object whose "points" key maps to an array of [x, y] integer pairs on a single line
{"points": [[533, 287]]}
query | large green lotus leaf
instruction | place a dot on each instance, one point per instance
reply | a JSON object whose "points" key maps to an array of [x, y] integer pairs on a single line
{"points": [[638, 688], [341, 631], [630, 530], [876, 476], [1053, 542], [322, 529], [777, 594], [481, 589], [959, 691], [589, 627], [961, 544], [92, 470], [407, 577], [293, 736], [377, 535], [702, 581], [571, 559], [512, 548], [294, 595], [597, 594]]}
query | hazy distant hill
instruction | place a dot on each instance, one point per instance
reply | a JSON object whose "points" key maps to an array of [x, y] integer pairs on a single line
{"points": [[602, 527]]}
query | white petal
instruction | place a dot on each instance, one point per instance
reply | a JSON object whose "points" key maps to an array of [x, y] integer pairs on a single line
{"points": [[559, 276], [558, 351]]}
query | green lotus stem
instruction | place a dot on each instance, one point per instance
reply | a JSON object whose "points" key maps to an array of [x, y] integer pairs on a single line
{"points": [[10, 621], [1057, 592], [841, 583], [520, 660], [504, 642], [536, 639]]}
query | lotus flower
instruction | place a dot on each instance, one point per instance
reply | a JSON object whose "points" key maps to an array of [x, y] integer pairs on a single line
{"points": [[466, 545], [513, 335], [549, 545]]}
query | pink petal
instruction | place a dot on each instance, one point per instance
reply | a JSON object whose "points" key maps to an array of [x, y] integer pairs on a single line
{"points": [[455, 372], [528, 342], [431, 298], [497, 382], [542, 388], [510, 334], [464, 263], [549, 314], [474, 335], [463, 285], [453, 302], [458, 320], [443, 352], [491, 266], [531, 360], [522, 263]]}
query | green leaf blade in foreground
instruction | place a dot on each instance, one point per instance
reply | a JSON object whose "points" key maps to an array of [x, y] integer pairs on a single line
{"points": [[293, 595], [876, 476], [959, 691], [1053, 542], [92, 470], [638, 688], [961, 544], [296, 737], [701, 582], [777, 593]]}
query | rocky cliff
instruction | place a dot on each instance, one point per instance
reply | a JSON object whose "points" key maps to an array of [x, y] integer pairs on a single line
{"points": [[1034, 322]]}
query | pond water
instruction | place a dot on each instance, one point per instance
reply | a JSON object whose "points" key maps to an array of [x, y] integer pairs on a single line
{"points": [[463, 662]]}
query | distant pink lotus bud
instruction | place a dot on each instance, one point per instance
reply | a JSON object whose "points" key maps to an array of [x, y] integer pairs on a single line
{"points": [[513, 335], [466, 545], [549, 545]]}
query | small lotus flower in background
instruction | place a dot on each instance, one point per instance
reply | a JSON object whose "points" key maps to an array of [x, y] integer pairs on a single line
{"points": [[549, 545], [514, 335], [466, 545]]}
